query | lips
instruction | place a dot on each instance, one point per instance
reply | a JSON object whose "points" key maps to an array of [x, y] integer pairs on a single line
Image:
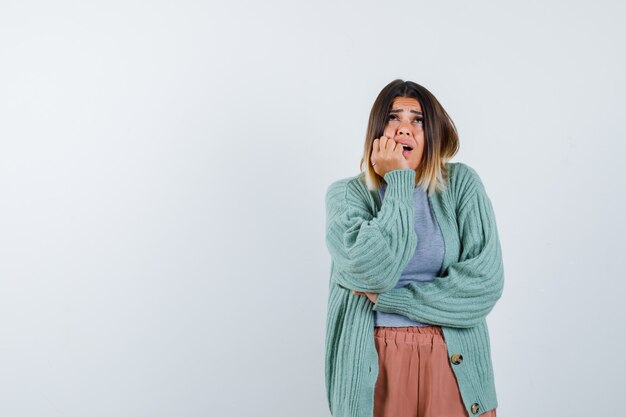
{"points": [[405, 145]]}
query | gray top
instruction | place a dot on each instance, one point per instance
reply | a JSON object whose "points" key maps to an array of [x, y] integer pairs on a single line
{"points": [[427, 260]]}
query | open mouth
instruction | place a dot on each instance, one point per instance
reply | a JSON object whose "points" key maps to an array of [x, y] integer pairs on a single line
{"points": [[407, 148]]}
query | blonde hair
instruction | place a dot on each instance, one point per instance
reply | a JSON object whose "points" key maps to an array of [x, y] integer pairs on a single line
{"points": [[440, 135]]}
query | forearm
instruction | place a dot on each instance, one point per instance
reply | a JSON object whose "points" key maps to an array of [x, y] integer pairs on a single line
{"points": [[369, 251], [468, 289]]}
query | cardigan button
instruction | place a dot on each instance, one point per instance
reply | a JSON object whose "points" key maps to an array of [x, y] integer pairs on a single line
{"points": [[475, 408], [456, 359]]}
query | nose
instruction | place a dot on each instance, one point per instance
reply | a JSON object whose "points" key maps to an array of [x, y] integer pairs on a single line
{"points": [[404, 130]]}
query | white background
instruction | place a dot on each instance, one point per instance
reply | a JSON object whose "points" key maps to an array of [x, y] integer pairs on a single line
{"points": [[162, 175]]}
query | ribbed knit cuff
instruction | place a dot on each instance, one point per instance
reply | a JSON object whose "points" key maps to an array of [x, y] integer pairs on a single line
{"points": [[389, 301], [400, 184]]}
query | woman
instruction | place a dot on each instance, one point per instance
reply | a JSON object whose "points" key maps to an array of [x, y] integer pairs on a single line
{"points": [[416, 266]]}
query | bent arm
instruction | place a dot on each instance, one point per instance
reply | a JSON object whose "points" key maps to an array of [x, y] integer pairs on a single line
{"points": [[468, 290], [369, 252]]}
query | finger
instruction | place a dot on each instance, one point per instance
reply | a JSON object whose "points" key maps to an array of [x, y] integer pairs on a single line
{"points": [[381, 144], [393, 145], [390, 145], [376, 145], [375, 149]]}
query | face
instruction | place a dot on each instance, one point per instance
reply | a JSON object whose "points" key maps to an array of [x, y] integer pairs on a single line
{"points": [[405, 125]]}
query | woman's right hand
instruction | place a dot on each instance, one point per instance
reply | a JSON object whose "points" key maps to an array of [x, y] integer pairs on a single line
{"points": [[387, 156]]}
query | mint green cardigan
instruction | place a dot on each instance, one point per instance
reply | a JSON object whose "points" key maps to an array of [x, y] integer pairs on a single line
{"points": [[370, 244]]}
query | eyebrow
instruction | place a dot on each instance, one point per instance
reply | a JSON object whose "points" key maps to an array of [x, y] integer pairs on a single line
{"points": [[400, 111]]}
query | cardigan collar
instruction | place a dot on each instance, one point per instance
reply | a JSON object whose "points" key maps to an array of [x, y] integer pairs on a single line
{"points": [[375, 201], [442, 207]]}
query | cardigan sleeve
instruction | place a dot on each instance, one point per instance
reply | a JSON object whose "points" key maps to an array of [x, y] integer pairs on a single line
{"points": [[468, 289], [368, 252]]}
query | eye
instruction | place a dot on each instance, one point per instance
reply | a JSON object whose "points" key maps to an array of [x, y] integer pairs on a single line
{"points": [[391, 117], [420, 121]]}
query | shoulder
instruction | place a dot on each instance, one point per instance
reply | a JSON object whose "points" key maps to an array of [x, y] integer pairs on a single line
{"points": [[464, 179], [349, 190], [348, 185], [337, 190], [339, 187], [465, 186]]}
